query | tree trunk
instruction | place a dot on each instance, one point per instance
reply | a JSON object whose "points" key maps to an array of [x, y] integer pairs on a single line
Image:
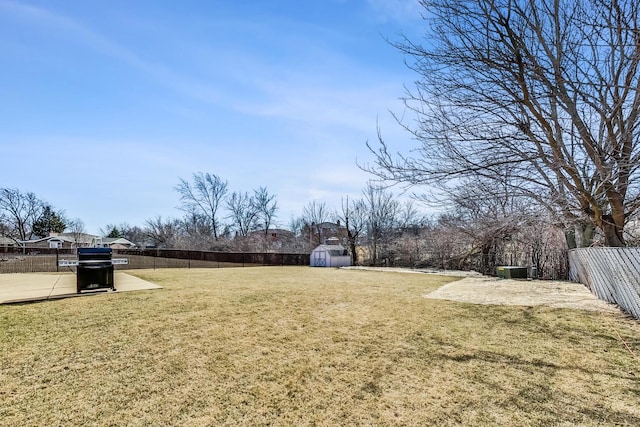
{"points": [[579, 235], [354, 254], [612, 233], [570, 237]]}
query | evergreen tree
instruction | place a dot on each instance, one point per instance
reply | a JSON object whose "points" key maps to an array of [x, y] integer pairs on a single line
{"points": [[114, 233], [50, 221]]}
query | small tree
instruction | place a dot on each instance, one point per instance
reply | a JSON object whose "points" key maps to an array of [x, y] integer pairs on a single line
{"points": [[76, 228], [114, 233]]}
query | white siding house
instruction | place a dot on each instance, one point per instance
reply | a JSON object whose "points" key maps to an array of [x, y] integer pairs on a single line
{"points": [[330, 256]]}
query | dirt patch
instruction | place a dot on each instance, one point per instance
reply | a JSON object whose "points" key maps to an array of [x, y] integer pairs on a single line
{"points": [[475, 288], [457, 273], [488, 290]]}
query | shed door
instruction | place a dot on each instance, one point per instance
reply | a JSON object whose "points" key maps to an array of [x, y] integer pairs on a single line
{"points": [[320, 258]]}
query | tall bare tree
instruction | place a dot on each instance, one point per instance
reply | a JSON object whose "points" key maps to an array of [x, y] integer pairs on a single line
{"points": [[203, 198], [550, 88], [353, 216], [242, 212], [381, 219], [266, 206]]}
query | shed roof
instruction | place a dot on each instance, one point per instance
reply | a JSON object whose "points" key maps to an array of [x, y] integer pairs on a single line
{"points": [[334, 250]]}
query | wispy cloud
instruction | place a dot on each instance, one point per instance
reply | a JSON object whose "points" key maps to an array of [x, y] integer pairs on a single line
{"points": [[97, 42], [82, 34], [352, 108], [396, 10]]}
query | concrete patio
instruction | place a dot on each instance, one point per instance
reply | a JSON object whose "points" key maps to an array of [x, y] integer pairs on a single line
{"points": [[27, 287]]}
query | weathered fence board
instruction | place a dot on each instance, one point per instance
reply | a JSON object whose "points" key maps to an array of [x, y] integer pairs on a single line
{"points": [[613, 274]]}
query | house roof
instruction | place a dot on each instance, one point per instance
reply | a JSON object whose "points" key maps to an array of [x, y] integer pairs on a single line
{"points": [[327, 224], [116, 241], [7, 241], [82, 237], [278, 231], [48, 239]]}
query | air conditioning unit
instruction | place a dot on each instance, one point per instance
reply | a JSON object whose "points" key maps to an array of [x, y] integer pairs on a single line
{"points": [[509, 272]]}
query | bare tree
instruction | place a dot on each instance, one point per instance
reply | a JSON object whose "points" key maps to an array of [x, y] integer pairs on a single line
{"points": [[132, 233], [353, 215], [296, 225], [266, 205], [242, 212], [203, 198], [550, 88], [487, 226], [381, 216], [314, 215], [76, 227], [164, 233], [489, 220], [19, 211], [410, 242]]}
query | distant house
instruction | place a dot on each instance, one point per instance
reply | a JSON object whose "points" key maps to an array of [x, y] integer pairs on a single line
{"points": [[6, 243], [82, 240], [330, 256], [113, 243], [60, 241], [276, 238], [51, 242], [325, 230]]}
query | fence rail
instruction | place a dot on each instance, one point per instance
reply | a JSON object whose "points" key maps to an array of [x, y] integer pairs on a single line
{"points": [[36, 260], [613, 274]]}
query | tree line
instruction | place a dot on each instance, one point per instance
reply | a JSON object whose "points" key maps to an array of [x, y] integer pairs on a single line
{"points": [[475, 232]]}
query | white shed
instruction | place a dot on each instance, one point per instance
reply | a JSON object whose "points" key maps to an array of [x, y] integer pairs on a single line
{"points": [[330, 256]]}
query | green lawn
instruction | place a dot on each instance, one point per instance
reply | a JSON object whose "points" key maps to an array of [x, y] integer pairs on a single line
{"points": [[304, 346]]}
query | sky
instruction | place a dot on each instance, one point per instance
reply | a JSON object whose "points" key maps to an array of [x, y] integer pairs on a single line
{"points": [[105, 105]]}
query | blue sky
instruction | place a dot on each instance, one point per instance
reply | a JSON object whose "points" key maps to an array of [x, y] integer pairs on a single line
{"points": [[104, 105]]}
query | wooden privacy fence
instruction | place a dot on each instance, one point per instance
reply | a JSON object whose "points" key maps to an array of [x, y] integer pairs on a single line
{"points": [[213, 259], [613, 274], [45, 260]]}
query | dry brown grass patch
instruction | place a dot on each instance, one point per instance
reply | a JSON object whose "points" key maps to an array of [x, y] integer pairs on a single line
{"points": [[303, 346]]}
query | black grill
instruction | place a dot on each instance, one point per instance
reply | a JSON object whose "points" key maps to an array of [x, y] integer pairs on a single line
{"points": [[95, 269]]}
